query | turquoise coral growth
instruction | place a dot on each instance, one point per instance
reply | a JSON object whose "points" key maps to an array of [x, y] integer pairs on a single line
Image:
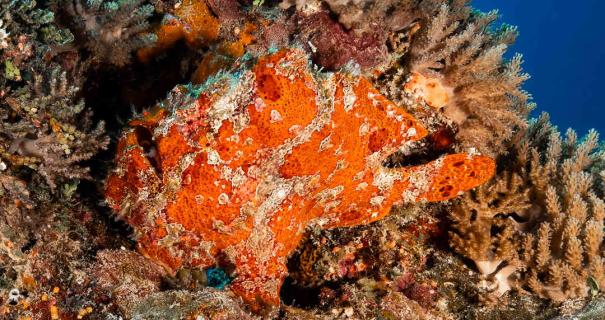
{"points": [[217, 278]]}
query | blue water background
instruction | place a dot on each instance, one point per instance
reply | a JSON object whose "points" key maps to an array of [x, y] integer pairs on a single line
{"points": [[563, 45]]}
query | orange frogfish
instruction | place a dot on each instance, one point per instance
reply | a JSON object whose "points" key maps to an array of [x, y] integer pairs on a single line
{"points": [[233, 172]]}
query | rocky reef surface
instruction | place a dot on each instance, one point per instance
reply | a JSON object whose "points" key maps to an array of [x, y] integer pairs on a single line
{"points": [[318, 159]]}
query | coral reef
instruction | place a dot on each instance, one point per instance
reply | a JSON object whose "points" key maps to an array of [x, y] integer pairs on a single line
{"points": [[565, 260], [46, 135], [454, 50], [45, 128], [319, 159], [25, 32]]}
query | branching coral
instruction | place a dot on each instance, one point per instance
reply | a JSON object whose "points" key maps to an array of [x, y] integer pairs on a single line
{"points": [[543, 215], [110, 30], [26, 31], [43, 127], [485, 231], [488, 103], [454, 62], [46, 128], [564, 256]]}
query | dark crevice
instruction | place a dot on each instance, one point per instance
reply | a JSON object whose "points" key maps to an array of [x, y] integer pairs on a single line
{"points": [[425, 150], [304, 297], [145, 140]]}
